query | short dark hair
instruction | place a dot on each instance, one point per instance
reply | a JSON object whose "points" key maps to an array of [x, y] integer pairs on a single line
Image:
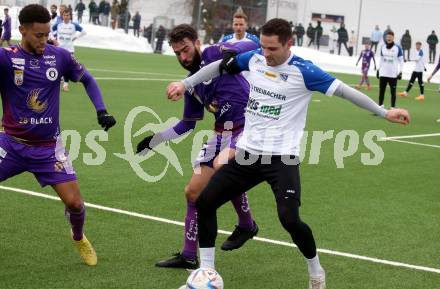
{"points": [[390, 33], [279, 27], [419, 43], [6, 9], [181, 32], [34, 13]]}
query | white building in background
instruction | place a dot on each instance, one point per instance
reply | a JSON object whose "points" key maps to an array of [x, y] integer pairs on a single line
{"points": [[419, 16]]}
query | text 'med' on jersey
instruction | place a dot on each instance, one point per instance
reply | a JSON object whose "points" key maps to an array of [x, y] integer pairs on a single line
{"points": [[278, 99]]}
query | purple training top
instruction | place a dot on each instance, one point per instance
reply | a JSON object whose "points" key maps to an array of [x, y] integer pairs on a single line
{"points": [[6, 29], [30, 92], [366, 55], [225, 96]]}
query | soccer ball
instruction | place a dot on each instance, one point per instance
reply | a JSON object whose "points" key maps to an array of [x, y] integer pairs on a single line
{"points": [[204, 278]]}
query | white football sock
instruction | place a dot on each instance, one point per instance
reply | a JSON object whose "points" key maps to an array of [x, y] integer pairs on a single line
{"points": [[314, 266], [207, 257]]}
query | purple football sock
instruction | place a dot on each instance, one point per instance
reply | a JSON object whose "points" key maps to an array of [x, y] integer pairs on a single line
{"points": [[76, 220], [243, 210], [189, 251]]}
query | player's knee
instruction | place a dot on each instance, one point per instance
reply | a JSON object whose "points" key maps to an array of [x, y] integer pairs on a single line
{"points": [[290, 222], [191, 193], [75, 205]]}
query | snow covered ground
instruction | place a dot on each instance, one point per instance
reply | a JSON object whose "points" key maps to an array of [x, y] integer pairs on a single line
{"points": [[106, 38]]}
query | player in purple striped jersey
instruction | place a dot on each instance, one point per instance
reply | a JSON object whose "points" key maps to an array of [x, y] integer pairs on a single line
{"points": [[437, 68], [226, 97], [6, 36], [30, 135], [366, 55]]}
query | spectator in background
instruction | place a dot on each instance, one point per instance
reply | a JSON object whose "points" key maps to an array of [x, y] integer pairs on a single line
{"points": [[94, 12], [405, 42], [136, 23], [125, 17], [299, 31], [53, 14], [101, 11], [333, 39], [318, 34], [115, 10], [310, 34], [384, 36], [6, 36], [432, 43], [105, 13], [79, 8], [147, 32], [352, 42], [376, 36], [1, 27], [342, 38], [160, 35]]}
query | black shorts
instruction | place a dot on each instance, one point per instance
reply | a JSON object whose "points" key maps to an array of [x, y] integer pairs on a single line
{"points": [[246, 171]]}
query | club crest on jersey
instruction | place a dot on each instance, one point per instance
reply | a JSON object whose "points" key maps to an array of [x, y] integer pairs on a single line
{"points": [[52, 74], [18, 77], [34, 104], [213, 107], [284, 76]]}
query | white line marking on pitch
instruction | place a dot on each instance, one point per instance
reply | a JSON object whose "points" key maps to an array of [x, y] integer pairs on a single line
{"points": [[399, 86], [265, 240], [410, 136], [134, 79], [415, 143], [136, 72]]}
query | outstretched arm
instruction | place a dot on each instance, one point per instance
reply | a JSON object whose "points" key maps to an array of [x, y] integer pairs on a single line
{"points": [[231, 64], [175, 90], [104, 119], [358, 98], [181, 128]]}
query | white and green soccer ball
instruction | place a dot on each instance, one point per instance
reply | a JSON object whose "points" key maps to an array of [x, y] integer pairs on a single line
{"points": [[204, 278]]}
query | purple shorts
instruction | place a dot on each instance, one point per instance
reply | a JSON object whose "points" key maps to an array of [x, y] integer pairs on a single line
{"points": [[50, 165], [365, 69], [6, 36], [211, 149]]}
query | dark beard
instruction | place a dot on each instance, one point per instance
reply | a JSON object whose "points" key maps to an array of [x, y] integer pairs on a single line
{"points": [[195, 65], [54, 15], [390, 45]]}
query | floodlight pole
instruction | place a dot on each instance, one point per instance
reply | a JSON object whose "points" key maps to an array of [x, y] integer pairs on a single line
{"points": [[359, 26], [199, 14]]}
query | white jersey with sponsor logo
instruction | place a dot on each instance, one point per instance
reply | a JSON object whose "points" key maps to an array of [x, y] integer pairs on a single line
{"points": [[65, 34], [420, 62], [231, 38], [391, 61], [278, 100]]}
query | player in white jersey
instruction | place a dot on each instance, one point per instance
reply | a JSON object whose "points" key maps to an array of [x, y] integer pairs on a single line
{"points": [[281, 88], [417, 74], [240, 25], [66, 32], [390, 70]]}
